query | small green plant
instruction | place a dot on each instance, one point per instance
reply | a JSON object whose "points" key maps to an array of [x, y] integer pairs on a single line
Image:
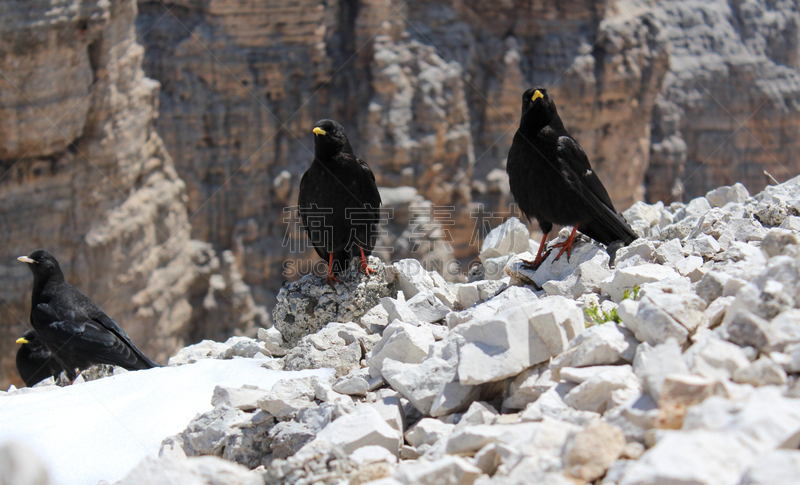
{"points": [[599, 316]]}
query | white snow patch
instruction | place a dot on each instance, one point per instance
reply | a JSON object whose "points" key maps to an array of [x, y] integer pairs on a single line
{"points": [[101, 429]]}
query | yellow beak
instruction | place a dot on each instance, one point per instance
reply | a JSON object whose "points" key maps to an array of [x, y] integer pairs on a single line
{"points": [[319, 131], [536, 95], [25, 259], [22, 341]]}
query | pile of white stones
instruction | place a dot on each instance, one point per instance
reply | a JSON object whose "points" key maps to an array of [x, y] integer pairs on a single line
{"points": [[679, 364]]}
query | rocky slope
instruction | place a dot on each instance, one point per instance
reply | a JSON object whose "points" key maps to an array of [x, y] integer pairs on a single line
{"points": [[428, 91], [678, 364], [84, 175]]}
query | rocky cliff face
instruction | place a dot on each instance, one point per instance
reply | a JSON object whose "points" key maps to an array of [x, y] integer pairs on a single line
{"points": [[428, 91], [84, 175], [730, 106]]}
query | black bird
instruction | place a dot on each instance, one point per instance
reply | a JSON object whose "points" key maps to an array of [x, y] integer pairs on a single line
{"points": [[75, 330], [551, 179], [339, 201], [34, 361]]}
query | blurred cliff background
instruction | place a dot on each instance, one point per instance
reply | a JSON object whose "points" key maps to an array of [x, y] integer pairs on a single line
{"points": [[156, 148]]}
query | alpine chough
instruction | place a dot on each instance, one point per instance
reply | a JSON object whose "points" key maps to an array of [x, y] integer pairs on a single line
{"points": [[551, 179], [75, 330], [339, 201], [34, 361]]}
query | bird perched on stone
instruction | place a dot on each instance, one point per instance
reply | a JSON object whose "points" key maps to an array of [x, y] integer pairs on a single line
{"points": [[35, 363], [74, 329], [551, 179], [339, 201]]}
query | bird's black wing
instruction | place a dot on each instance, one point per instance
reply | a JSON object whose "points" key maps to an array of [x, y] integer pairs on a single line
{"points": [[368, 192], [306, 207], [608, 226], [92, 343], [102, 322], [572, 155]]}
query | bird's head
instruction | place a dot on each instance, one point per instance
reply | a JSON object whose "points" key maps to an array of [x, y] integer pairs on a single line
{"points": [[42, 264], [330, 138], [538, 107], [28, 338]]}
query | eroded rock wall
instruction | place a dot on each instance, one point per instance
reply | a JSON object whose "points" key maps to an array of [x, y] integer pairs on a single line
{"points": [[84, 175], [429, 93]]}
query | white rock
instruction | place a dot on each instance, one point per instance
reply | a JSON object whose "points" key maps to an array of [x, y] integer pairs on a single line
{"points": [[687, 309], [510, 237], [196, 470], [725, 194], [401, 342], [376, 319], [527, 387], [763, 372], [650, 323], [626, 278], [495, 268], [411, 277], [363, 427], [390, 408], [607, 343], [273, 341], [562, 269], [640, 211], [432, 387], [398, 310], [468, 294], [353, 384], [288, 397], [792, 223], [715, 358], [605, 390], [244, 398], [207, 349], [669, 253], [551, 405], [715, 312], [448, 470], [372, 454], [643, 248], [479, 412], [746, 229], [513, 340], [705, 246], [547, 435], [653, 364], [691, 267], [511, 297], [778, 467], [427, 307], [428, 431]]}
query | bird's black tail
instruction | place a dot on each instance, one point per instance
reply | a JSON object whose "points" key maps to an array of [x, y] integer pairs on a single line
{"points": [[608, 226]]}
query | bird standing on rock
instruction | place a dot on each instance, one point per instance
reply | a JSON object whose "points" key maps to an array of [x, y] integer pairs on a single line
{"points": [[551, 179], [34, 362], [339, 201], [75, 330]]}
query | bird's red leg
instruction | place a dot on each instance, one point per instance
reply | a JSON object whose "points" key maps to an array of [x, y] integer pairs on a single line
{"points": [[331, 278], [539, 257], [567, 245], [364, 264]]}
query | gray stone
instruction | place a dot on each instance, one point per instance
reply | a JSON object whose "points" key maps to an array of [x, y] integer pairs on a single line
{"points": [[398, 310], [669, 253], [643, 248], [309, 304], [287, 437], [527, 387], [705, 246], [650, 323], [337, 345], [207, 349], [711, 285], [353, 384], [781, 242], [273, 341]]}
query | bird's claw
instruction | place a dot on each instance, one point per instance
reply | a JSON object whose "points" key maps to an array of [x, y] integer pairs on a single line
{"points": [[534, 265], [330, 279]]}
